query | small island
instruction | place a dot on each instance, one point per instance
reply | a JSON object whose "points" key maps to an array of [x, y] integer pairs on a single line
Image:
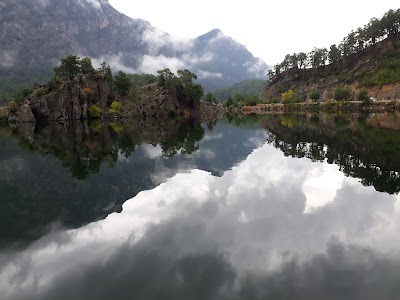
{"points": [[78, 91]]}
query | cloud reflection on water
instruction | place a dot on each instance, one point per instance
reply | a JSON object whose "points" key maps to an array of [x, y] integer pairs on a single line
{"points": [[268, 228]]}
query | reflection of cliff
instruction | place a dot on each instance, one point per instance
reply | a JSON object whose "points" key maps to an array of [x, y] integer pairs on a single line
{"points": [[38, 191], [357, 144], [82, 147]]}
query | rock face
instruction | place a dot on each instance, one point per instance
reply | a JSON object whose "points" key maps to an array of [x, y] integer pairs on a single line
{"points": [[36, 34], [71, 100], [157, 102], [4, 113], [24, 114], [347, 73]]}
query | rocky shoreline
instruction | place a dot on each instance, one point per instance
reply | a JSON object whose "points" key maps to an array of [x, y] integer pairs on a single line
{"points": [[350, 106]]}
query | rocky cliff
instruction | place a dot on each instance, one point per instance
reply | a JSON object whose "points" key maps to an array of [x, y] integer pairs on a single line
{"points": [[73, 100], [353, 72], [69, 100]]}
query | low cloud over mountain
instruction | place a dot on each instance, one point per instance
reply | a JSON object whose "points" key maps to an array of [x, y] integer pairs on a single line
{"points": [[35, 34]]}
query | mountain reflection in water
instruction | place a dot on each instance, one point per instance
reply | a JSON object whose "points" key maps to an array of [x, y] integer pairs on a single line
{"points": [[269, 226]]}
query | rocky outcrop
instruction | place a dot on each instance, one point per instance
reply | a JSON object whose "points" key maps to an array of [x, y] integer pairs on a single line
{"points": [[71, 100], [161, 102], [347, 72], [156, 102], [24, 114], [4, 113]]}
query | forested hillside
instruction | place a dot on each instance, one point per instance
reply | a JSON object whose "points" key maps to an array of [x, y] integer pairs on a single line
{"points": [[368, 59], [251, 87]]}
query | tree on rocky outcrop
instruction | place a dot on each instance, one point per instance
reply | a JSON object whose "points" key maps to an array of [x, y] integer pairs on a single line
{"points": [[294, 61], [334, 54], [277, 69], [122, 83], [391, 22], [106, 70], [302, 59], [184, 81], [69, 67], [211, 98], [166, 77], [318, 57], [193, 91], [86, 66]]}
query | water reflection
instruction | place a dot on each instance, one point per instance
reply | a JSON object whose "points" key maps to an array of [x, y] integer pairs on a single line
{"points": [[245, 235], [59, 176], [365, 147]]}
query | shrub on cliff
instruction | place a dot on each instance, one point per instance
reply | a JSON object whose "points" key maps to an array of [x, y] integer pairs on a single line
{"points": [[115, 107], [315, 95], [363, 96], [94, 111], [20, 95], [342, 94], [288, 97]]}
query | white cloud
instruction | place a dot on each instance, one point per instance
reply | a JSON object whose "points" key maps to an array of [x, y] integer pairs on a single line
{"points": [[219, 37], [151, 64], [264, 28], [115, 62], [152, 151], [97, 4], [257, 68], [7, 58], [44, 2], [202, 74], [155, 39]]}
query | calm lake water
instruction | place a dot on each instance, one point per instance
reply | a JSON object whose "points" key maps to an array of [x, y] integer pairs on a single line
{"points": [[267, 207]]}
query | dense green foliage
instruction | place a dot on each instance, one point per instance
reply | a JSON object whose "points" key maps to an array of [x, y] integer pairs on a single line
{"points": [[342, 94], [251, 87], [115, 107], [183, 82], [240, 100], [72, 66], [211, 98], [389, 71], [363, 96], [315, 95], [122, 83], [94, 111]]}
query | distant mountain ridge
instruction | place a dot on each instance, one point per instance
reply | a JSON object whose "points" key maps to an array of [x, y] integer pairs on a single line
{"points": [[35, 34]]}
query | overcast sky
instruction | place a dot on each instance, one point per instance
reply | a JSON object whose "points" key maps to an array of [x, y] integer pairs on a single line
{"points": [[269, 29]]}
